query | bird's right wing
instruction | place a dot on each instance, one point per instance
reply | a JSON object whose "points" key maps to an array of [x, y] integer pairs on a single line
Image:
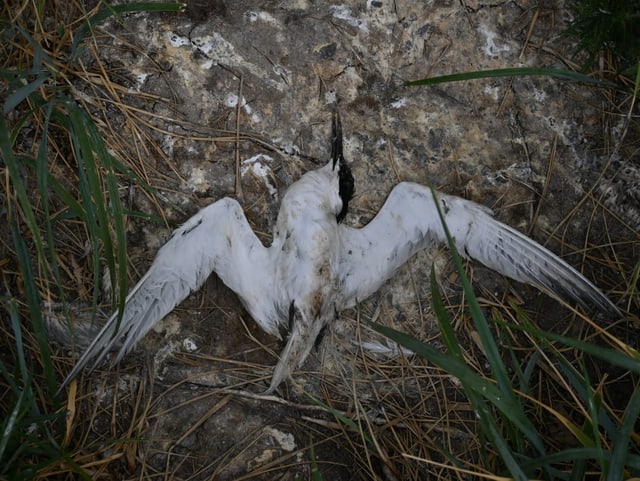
{"points": [[409, 222], [216, 239]]}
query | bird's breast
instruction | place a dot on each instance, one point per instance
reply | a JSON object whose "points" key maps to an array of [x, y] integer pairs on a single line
{"points": [[307, 266]]}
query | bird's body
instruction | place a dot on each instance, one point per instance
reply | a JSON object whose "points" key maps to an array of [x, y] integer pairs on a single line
{"points": [[316, 266]]}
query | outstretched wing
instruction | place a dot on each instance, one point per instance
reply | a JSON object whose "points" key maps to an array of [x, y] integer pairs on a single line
{"points": [[218, 238], [409, 222]]}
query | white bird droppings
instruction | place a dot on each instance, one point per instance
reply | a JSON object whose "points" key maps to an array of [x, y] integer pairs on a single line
{"points": [[401, 102], [189, 344], [286, 440], [257, 166], [342, 12], [490, 47]]}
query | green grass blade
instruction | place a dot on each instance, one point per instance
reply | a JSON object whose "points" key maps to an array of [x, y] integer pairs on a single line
{"points": [[453, 366], [342, 418], [42, 179], [486, 337], [517, 72], [15, 175], [117, 216], [516, 412], [572, 455], [316, 475], [579, 383], [90, 195], [11, 424], [582, 388], [446, 329], [595, 412], [33, 302], [20, 348], [476, 396], [92, 157], [19, 95], [629, 361], [40, 57], [620, 452]]}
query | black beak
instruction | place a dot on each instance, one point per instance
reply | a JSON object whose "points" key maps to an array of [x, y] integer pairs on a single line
{"points": [[336, 141], [345, 178]]}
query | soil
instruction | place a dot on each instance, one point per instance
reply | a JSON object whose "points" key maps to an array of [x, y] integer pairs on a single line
{"points": [[527, 147]]}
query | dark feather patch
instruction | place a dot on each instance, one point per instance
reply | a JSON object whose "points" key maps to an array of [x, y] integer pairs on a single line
{"points": [[346, 185]]}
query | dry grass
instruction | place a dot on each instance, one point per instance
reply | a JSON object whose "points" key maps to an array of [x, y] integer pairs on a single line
{"points": [[377, 417]]}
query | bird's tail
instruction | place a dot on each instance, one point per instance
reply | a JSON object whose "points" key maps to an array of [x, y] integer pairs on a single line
{"points": [[304, 330]]}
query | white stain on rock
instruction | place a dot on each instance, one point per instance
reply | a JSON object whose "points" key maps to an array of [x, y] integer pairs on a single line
{"points": [[189, 344], [219, 51], [342, 12], [197, 181], [490, 47], [285, 440], [258, 166], [231, 101]]}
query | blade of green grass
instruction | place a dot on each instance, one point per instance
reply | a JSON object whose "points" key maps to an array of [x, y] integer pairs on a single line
{"points": [[578, 454], [10, 424], [316, 475], [620, 454], [516, 412], [33, 302], [341, 417], [477, 400], [92, 157], [116, 214], [80, 145], [40, 57], [17, 333], [19, 95], [595, 413], [579, 383], [446, 329], [630, 361], [477, 397], [517, 72], [21, 192], [44, 188], [486, 337], [582, 388], [450, 364]]}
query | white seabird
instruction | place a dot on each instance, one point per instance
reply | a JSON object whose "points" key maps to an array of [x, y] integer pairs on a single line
{"points": [[316, 266]]}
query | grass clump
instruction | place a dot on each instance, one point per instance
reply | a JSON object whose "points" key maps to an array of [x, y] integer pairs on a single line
{"points": [[608, 25], [62, 211]]}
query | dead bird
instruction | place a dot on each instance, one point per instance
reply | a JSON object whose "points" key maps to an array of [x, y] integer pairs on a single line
{"points": [[316, 266]]}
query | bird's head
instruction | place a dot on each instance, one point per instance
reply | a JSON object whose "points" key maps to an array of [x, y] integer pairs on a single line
{"points": [[325, 191]]}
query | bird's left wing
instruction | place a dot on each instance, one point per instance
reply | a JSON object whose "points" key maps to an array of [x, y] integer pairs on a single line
{"points": [[409, 222], [218, 238]]}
